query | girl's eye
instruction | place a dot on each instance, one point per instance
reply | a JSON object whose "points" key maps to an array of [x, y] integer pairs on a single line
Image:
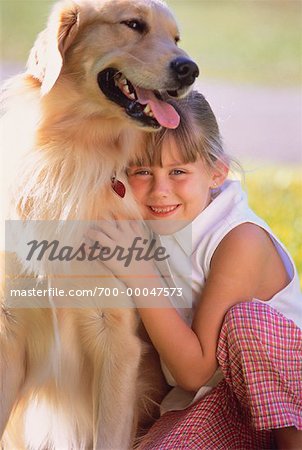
{"points": [[142, 172], [177, 172]]}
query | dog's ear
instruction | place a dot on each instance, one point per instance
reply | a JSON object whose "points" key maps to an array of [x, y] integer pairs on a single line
{"points": [[47, 56]]}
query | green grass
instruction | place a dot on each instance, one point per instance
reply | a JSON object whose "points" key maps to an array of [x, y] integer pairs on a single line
{"points": [[251, 41], [275, 194]]}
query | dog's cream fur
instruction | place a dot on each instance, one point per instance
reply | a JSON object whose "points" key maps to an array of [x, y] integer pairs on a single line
{"points": [[68, 377]]}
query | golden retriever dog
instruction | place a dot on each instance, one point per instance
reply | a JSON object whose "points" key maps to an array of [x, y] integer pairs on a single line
{"points": [[97, 80]]}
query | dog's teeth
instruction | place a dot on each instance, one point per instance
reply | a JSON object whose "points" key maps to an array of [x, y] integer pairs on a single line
{"points": [[117, 79], [122, 82], [126, 89], [148, 111]]}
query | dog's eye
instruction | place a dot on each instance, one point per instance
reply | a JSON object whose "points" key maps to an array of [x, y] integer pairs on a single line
{"points": [[177, 39], [135, 24]]}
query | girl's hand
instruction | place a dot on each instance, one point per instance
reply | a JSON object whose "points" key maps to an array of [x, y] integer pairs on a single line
{"points": [[125, 248]]}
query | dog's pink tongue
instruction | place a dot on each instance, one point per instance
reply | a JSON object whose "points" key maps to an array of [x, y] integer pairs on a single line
{"points": [[164, 113]]}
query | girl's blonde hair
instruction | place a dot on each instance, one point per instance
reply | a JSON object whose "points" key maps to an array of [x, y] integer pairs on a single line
{"points": [[196, 136]]}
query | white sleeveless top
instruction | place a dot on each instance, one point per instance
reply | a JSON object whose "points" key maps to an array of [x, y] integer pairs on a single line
{"points": [[228, 209]]}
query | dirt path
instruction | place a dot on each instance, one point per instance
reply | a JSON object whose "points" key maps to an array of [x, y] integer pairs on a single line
{"points": [[259, 124]]}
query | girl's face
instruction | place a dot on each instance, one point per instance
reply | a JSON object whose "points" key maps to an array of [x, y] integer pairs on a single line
{"points": [[177, 190]]}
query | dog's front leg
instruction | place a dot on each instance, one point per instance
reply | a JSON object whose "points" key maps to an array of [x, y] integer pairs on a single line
{"points": [[115, 385], [12, 364]]}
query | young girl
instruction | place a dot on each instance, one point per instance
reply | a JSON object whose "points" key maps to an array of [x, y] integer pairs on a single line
{"points": [[247, 318]]}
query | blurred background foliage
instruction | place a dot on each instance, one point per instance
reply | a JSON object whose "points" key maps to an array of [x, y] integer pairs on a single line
{"points": [[238, 41], [275, 193], [256, 41]]}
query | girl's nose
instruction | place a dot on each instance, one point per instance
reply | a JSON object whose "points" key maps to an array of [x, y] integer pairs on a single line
{"points": [[161, 186]]}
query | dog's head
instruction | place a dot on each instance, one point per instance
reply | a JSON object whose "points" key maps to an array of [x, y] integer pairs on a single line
{"points": [[120, 55]]}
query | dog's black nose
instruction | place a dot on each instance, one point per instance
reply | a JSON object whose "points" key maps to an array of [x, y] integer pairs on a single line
{"points": [[185, 70]]}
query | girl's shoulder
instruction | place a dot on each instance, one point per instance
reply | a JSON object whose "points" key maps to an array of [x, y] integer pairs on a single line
{"points": [[247, 253]]}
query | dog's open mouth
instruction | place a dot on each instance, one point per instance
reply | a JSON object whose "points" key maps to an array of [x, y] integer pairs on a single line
{"points": [[143, 105]]}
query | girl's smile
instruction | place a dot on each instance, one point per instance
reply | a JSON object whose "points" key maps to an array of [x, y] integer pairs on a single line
{"points": [[163, 210]]}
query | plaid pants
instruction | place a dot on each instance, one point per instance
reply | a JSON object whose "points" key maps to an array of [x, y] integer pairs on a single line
{"points": [[260, 354]]}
